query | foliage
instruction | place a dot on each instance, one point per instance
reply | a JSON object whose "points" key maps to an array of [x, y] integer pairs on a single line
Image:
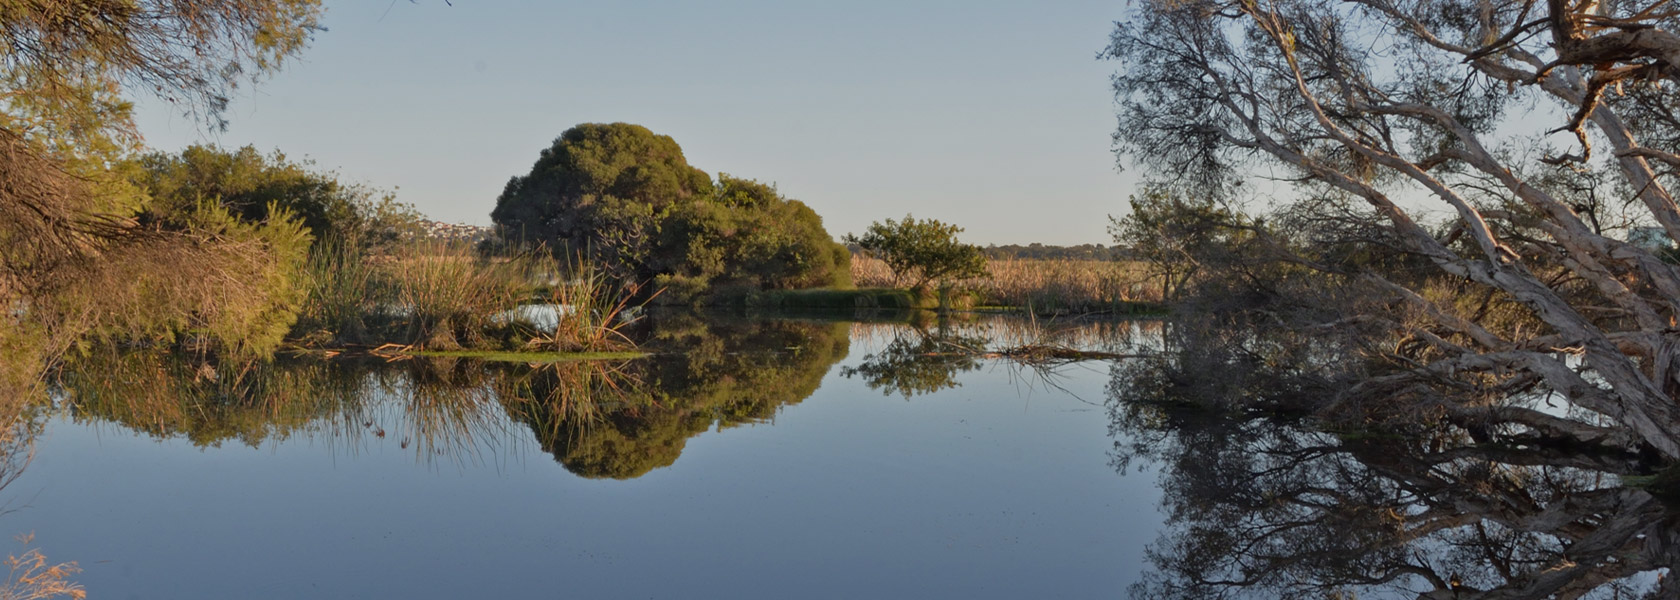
{"points": [[627, 200], [72, 257], [1045, 286], [591, 314], [1039, 251], [1171, 233], [923, 251], [345, 289], [247, 183], [1379, 115], [749, 235]]}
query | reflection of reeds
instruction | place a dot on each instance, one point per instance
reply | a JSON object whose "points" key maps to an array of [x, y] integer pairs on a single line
{"points": [[1011, 331], [31, 576], [569, 397], [449, 417]]}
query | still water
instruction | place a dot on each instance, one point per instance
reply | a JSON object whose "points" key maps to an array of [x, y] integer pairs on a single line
{"points": [[808, 458], [753, 459]]}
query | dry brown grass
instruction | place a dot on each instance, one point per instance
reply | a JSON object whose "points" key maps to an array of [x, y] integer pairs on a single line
{"points": [[1044, 285], [33, 577]]}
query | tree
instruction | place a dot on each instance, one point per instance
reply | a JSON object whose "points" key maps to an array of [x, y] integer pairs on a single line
{"points": [[1370, 108], [250, 184], [73, 259], [601, 190], [628, 200], [1173, 235], [747, 234], [925, 251]]}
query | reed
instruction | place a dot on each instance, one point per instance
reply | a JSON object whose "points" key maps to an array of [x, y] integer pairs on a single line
{"points": [[1044, 286], [344, 290], [593, 311], [452, 297]]}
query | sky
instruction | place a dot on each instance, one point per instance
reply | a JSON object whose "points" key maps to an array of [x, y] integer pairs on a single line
{"points": [[995, 116]]}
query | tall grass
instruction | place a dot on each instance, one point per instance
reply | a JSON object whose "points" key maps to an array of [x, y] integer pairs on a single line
{"points": [[442, 296], [1046, 286], [345, 289], [450, 296], [593, 310]]}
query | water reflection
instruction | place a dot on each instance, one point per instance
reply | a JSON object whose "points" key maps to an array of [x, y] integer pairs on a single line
{"points": [[599, 419], [1267, 507], [1256, 504], [638, 416], [918, 359], [923, 353]]}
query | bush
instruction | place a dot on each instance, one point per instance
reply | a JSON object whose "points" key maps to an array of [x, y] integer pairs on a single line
{"points": [[628, 201], [924, 251], [251, 185]]}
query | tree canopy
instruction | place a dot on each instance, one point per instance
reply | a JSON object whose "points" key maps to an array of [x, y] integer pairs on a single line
{"points": [[627, 199], [1375, 113], [923, 251], [250, 185]]}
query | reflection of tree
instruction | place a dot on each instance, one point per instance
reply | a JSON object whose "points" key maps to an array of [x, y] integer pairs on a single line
{"points": [[643, 413], [919, 360], [612, 419], [1261, 507]]}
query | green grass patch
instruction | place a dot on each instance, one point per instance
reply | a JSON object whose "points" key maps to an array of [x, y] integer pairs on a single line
{"points": [[526, 357]]}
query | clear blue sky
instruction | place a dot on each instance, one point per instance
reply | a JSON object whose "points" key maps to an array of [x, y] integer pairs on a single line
{"points": [[995, 116]]}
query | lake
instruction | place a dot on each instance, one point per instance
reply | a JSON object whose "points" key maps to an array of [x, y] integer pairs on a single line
{"points": [[882, 457]]}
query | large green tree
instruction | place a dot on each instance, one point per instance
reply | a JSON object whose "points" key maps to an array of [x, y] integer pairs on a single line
{"points": [[601, 189], [627, 199]]}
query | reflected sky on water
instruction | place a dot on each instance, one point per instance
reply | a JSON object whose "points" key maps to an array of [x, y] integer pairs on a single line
{"points": [[742, 463], [821, 458]]}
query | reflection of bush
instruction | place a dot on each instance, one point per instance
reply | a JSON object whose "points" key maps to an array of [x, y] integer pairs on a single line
{"points": [[165, 395], [919, 361], [726, 374], [598, 419]]}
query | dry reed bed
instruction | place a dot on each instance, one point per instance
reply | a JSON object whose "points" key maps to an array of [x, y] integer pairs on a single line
{"points": [[1051, 285]]}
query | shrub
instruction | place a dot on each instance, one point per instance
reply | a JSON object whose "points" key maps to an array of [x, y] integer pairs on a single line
{"points": [[922, 252], [628, 201]]}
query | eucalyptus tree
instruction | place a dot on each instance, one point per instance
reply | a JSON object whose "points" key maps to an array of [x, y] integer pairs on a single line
{"points": [[1543, 132]]}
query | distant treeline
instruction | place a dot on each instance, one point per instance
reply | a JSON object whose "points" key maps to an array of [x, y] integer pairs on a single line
{"points": [[1037, 251]]}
